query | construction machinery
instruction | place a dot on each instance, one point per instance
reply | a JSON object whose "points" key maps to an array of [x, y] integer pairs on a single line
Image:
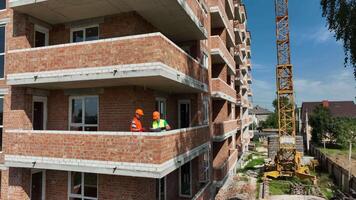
{"points": [[288, 162]]}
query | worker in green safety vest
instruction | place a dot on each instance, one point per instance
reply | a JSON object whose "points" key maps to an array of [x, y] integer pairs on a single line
{"points": [[159, 124]]}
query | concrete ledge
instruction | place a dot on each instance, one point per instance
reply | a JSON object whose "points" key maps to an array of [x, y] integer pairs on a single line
{"points": [[105, 167], [112, 133], [218, 52], [109, 72], [224, 96], [221, 138]]}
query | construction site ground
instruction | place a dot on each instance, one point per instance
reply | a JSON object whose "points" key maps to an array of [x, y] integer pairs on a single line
{"points": [[246, 183], [341, 157]]}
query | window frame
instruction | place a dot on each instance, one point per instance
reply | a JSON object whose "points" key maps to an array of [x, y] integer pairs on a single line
{"points": [[83, 28], [159, 100], [4, 53], [43, 171], [81, 196], [70, 124], [191, 181], [43, 30], [165, 188]]}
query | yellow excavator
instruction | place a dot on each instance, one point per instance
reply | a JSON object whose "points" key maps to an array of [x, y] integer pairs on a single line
{"points": [[288, 161]]}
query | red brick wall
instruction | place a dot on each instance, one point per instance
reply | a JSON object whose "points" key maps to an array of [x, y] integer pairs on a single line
{"points": [[123, 187], [141, 149], [15, 184], [129, 51], [219, 71], [220, 153], [219, 110], [56, 185]]}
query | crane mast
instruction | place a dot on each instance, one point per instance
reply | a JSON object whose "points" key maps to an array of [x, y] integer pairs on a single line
{"points": [[285, 159], [288, 162]]}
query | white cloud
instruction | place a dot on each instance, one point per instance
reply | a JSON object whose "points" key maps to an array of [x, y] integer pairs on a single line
{"points": [[317, 35], [264, 93], [338, 86]]}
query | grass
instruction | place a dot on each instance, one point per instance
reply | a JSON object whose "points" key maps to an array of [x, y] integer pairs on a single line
{"points": [[279, 187], [338, 152], [326, 185], [252, 163]]}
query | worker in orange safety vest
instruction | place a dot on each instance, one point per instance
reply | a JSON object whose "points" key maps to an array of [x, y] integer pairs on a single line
{"points": [[136, 125]]}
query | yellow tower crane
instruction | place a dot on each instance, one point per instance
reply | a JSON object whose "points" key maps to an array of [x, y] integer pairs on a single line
{"points": [[288, 162]]}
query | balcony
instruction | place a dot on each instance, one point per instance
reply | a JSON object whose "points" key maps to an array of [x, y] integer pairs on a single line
{"points": [[240, 32], [242, 11], [249, 79], [221, 90], [221, 172], [146, 60], [153, 154], [220, 19], [221, 55], [223, 130], [248, 38], [238, 54], [188, 15]]}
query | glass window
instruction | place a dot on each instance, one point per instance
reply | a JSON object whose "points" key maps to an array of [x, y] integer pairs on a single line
{"points": [[76, 183], [84, 113], [185, 180], [88, 180], [161, 107], [78, 36], [91, 33], [85, 34], [2, 4]]}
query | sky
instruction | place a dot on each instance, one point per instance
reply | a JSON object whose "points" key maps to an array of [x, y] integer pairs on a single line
{"points": [[317, 58]]}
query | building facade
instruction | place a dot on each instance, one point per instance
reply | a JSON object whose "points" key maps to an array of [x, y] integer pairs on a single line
{"points": [[73, 74]]}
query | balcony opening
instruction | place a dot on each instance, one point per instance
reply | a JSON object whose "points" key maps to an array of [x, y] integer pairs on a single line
{"points": [[38, 184], [41, 36], [185, 180], [39, 114], [184, 113]]}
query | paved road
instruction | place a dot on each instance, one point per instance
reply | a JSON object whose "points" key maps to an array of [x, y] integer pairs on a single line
{"points": [[294, 197]]}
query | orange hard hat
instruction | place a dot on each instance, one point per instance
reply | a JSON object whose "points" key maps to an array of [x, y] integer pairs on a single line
{"points": [[139, 112], [155, 115]]}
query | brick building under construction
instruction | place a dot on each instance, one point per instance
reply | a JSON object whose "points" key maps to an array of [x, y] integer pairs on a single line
{"points": [[73, 73]]}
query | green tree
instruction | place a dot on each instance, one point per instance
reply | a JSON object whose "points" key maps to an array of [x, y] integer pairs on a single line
{"points": [[345, 130], [322, 124], [341, 19]]}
